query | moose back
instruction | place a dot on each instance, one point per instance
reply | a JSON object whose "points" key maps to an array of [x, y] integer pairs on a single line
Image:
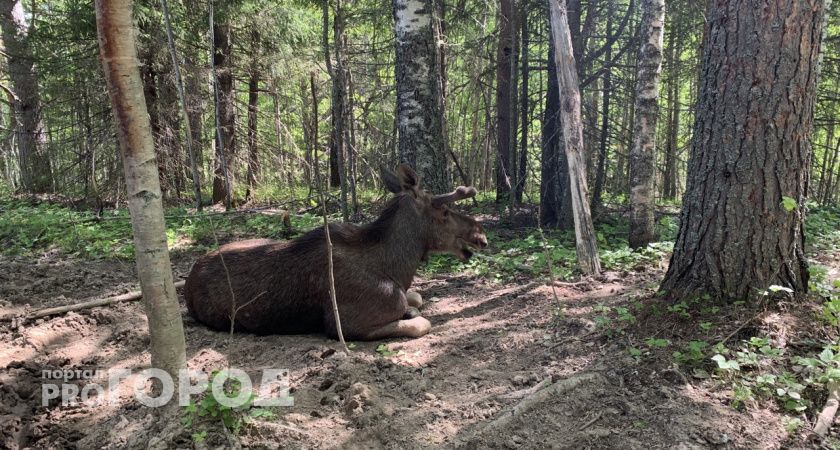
{"points": [[268, 287]]}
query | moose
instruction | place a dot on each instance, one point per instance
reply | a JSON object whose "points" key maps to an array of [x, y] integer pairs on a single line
{"points": [[269, 287]]}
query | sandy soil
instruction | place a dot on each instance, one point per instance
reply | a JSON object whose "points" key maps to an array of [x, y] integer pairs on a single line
{"points": [[491, 346]]}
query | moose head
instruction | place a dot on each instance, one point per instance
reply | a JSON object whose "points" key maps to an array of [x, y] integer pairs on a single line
{"points": [[445, 230]]}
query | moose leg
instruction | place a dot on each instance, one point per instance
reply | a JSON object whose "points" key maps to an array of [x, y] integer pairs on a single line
{"points": [[412, 328], [414, 299]]}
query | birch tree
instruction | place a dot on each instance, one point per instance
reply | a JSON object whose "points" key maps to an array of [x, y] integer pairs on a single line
{"points": [[122, 74], [643, 153], [420, 92]]}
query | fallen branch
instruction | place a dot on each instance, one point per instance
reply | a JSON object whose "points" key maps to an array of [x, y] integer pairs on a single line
{"points": [[135, 295], [516, 395], [528, 403], [826, 417]]}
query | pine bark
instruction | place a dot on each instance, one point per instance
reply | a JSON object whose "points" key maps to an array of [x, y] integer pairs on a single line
{"points": [[750, 150], [419, 92], [643, 153], [34, 160], [120, 66], [570, 101]]}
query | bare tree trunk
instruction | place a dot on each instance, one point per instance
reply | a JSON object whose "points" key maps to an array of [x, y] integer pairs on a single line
{"points": [[225, 113], [182, 99], [750, 152], [643, 153], [603, 147], [419, 92], [555, 196], [253, 97], [504, 94], [567, 79], [522, 164], [35, 170], [120, 65], [669, 182]]}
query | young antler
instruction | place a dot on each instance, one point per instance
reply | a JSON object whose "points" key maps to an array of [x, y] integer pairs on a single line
{"points": [[460, 193]]}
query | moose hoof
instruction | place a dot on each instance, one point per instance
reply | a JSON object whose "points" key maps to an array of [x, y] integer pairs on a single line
{"points": [[414, 299], [418, 326], [411, 313]]}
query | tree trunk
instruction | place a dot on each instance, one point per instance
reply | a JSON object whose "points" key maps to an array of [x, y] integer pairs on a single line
{"points": [[669, 178], [555, 196], [182, 100], [120, 66], [253, 97], [504, 94], [34, 160], [522, 165], [225, 115], [567, 79], [750, 151], [419, 106], [643, 152], [336, 118], [603, 147]]}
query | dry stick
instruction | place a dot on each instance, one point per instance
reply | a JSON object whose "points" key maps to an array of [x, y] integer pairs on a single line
{"points": [[134, 295], [233, 308], [528, 403], [326, 223], [826, 417], [179, 84]]}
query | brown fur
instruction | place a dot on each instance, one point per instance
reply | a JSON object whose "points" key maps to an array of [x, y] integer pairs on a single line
{"points": [[282, 287]]}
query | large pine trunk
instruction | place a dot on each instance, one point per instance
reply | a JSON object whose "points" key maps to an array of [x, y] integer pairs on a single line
{"points": [[643, 153], [570, 118], [35, 171], [750, 151], [120, 66], [419, 92]]}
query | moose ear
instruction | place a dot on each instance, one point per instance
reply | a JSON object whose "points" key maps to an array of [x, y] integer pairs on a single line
{"points": [[392, 183], [408, 177]]}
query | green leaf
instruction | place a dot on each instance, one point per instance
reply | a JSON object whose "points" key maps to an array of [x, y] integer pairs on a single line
{"points": [[788, 204]]}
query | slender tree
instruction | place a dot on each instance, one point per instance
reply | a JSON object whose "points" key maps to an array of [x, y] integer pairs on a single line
{"points": [[504, 98], [225, 110], [35, 170], [121, 68], [419, 92], [741, 225], [567, 79], [643, 153], [555, 196]]}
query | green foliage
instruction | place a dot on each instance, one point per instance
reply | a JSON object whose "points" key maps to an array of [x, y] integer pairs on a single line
{"points": [[28, 229], [210, 407], [788, 204], [526, 255]]}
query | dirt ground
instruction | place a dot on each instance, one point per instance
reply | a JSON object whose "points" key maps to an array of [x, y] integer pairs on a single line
{"points": [[458, 387]]}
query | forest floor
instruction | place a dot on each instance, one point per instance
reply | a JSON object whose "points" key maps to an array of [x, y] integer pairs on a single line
{"points": [[604, 364]]}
